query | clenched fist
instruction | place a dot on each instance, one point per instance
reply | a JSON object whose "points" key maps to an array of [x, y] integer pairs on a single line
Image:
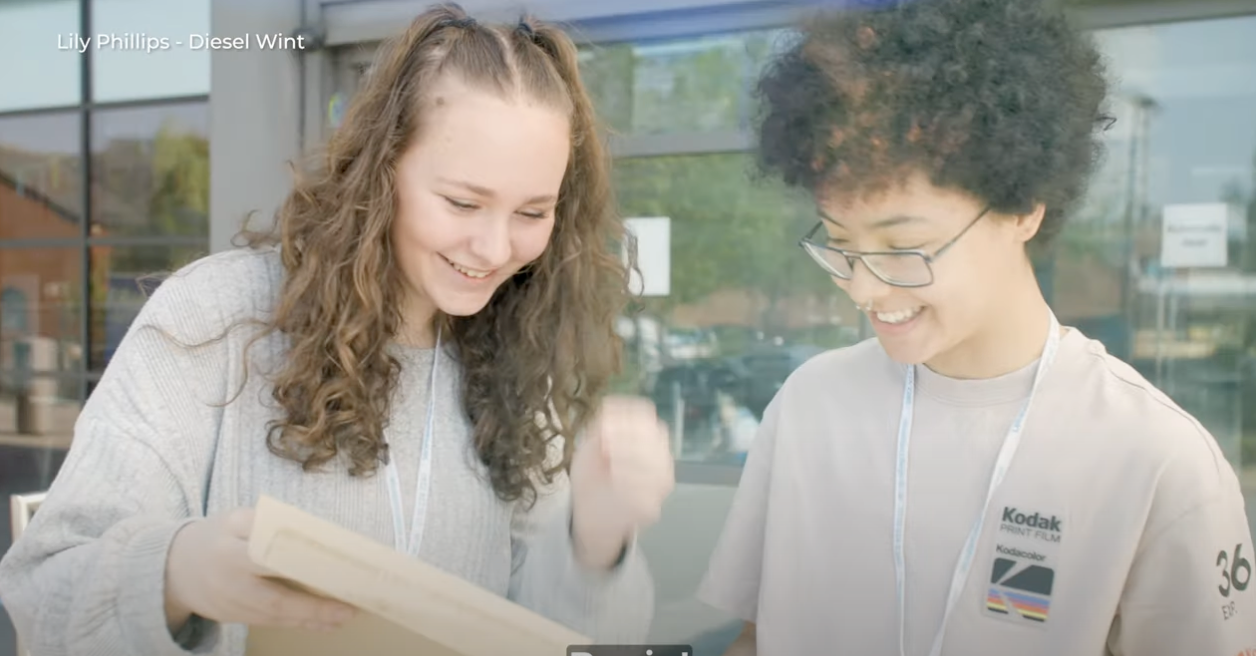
{"points": [[621, 474]]}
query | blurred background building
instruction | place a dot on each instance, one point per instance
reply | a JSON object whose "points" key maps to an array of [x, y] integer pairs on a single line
{"points": [[117, 165]]}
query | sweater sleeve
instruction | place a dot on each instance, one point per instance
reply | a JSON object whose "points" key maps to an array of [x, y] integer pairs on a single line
{"points": [[88, 574], [608, 607]]}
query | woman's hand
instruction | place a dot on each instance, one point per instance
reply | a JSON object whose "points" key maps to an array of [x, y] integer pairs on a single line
{"points": [[621, 474], [209, 574]]}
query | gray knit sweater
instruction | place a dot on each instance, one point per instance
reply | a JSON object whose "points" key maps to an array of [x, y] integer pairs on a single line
{"points": [[154, 447]]}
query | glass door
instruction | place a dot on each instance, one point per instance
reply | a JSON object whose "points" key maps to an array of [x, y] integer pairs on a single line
{"points": [[1161, 262]]}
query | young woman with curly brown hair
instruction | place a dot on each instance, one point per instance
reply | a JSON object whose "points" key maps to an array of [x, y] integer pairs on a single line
{"points": [[434, 313], [976, 480]]}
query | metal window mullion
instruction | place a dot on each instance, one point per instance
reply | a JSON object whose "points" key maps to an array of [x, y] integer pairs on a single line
{"points": [[313, 76], [85, 149], [139, 103], [1141, 14], [113, 104], [124, 240], [681, 143]]}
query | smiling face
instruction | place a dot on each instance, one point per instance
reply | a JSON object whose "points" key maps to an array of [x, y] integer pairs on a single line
{"points": [[975, 279], [476, 196]]}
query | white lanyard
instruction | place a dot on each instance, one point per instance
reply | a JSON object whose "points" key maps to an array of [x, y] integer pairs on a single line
{"points": [[1006, 453], [423, 480]]}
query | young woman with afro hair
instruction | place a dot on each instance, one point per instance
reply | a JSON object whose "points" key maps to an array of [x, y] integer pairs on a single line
{"points": [[977, 480]]}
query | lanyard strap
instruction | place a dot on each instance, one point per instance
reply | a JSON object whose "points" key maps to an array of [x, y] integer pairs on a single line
{"points": [[423, 479], [1006, 453]]}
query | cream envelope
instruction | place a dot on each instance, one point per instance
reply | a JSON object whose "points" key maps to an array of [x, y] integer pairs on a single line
{"points": [[411, 608]]}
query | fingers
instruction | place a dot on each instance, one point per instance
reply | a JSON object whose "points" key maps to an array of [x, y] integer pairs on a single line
{"points": [[240, 554], [644, 505], [635, 448], [645, 474], [267, 601], [239, 525], [628, 406], [625, 418], [240, 522], [216, 579], [274, 603]]}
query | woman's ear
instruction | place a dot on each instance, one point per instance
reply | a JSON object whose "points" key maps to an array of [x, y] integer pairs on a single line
{"points": [[1027, 225]]}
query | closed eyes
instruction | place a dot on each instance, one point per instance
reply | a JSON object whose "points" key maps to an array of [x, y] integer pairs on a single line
{"points": [[463, 206]]}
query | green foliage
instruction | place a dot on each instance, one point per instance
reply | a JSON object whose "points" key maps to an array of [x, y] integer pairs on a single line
{"points": [[729, 231], [695, 85], [168, 178], [179, 204]]}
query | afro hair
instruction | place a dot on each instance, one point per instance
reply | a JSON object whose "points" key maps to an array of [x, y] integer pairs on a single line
{"points": [[1003, 99]]}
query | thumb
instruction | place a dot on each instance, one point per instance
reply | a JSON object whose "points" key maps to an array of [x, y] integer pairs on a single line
{"points": [[240, 523]]}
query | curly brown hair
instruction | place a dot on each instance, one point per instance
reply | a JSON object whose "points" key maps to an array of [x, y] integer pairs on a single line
{"points": [[544, 347], [999, 98]]}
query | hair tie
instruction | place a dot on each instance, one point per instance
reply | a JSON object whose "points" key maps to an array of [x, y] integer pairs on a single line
{"points": [[524, 28]]}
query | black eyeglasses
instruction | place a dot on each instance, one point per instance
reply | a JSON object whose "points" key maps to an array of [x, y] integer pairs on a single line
{"points": [[908, 268]]}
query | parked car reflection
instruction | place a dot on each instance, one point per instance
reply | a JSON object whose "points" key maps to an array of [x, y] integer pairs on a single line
{"points": [[713, 406]]}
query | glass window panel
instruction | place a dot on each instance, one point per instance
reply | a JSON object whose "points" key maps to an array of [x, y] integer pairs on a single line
{"points": [[746, 305], [1185, 100], [38, 412], [122, 278], [150, 54], [40, 34], [41, 176], [350, 67], [26, 466], [692, 85], [607, 74], [151, 174], [41, 305]]}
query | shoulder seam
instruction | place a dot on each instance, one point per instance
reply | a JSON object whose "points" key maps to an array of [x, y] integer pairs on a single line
{"points": [[1201, 433]]}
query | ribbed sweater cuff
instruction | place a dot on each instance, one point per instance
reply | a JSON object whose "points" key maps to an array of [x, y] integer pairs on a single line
{"points": [[143, 593]]}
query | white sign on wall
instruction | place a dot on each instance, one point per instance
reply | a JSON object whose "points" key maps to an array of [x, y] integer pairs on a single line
{"points": [[1195, 236], [654, 255]]}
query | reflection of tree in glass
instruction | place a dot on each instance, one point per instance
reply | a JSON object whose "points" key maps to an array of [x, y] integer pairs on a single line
{"points": [[729, 232], [607, 72], [179, 204], [158, 186], [153, 186], [693, 85]]}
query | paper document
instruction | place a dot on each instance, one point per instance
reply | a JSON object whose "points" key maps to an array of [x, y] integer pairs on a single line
{"points": [[410, 608]]}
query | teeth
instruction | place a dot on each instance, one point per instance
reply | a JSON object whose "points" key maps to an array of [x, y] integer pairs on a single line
{"points": [[470, 273], [899, 316]]}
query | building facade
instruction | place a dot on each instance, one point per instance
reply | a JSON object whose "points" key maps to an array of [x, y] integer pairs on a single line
{"points": [[106, 178]]}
